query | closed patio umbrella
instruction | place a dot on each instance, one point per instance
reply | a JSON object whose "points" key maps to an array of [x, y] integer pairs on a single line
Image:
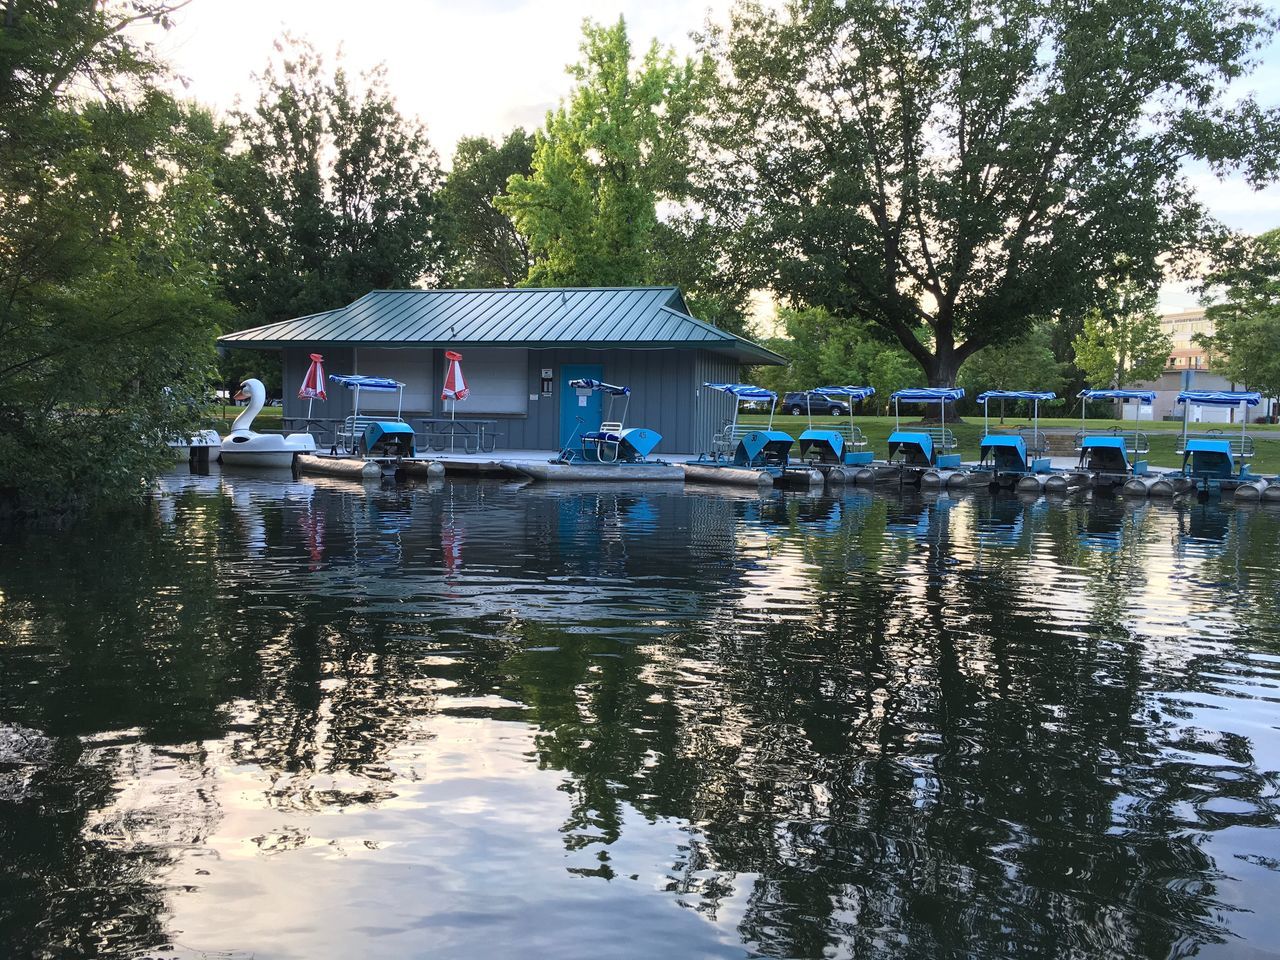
{"points": [[455, 385], [312, 388]]}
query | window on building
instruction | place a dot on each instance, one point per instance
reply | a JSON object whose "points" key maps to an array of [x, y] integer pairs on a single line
{"points": [[498, 380], [410, 367]]}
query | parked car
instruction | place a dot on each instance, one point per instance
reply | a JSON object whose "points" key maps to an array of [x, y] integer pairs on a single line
{"points": [[797, 404]]}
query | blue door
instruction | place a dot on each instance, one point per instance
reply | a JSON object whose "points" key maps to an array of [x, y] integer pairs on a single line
{"points": [[574, 408]]}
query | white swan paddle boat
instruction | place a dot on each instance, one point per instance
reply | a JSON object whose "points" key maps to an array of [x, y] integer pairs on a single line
{"points": [[242, 447]]}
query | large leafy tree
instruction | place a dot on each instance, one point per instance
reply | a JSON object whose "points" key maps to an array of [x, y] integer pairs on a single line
{"points": [[485, 248], [608, 161], [1122, 342], [1245, 345], [604, 161], [329, 192], [952, 170], [108, 307]]}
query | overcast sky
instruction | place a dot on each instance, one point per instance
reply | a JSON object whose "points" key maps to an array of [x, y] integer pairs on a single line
{"points": [[483, 66]]}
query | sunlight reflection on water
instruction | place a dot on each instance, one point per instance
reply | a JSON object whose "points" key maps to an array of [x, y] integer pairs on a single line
{"points": [[310, 719]]}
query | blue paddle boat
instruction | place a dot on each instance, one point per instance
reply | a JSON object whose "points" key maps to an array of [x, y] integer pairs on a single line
{"points": [[923, 455], [614, 441], [613, 451], [834, 448], [740, 453], [1114, 457], [1212, 461], [1012, 458]]}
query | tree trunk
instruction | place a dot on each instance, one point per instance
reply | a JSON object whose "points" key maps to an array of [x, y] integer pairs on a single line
{"points": [[942, 375]]}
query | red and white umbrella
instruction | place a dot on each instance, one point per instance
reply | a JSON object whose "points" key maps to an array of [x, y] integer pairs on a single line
{"points": [[313, 383], [455, 387]]}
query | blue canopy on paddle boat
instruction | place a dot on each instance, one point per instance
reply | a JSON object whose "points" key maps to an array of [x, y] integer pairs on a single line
{"points": [[743, 391], [831, 447], [1039, 395], [928, 395], [600, 385], [919, 446], [354, 381], [1220, 398], [852, 393], [1007, 451], [1142, 396], [358, 382]]}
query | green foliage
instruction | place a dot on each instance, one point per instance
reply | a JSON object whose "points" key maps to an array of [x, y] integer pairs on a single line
{"points": [[953, 171], [330, 192], [1025, 364], [824, 350], [1122, 343], [485, 248], [1245, 346], [588, 209], [109, 308]]}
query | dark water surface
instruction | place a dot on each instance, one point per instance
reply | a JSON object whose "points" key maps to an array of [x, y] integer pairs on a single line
{"points": [[301, 719]]}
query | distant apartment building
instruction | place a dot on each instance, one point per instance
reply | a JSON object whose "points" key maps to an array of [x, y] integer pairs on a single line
{"points": [[1182, 328], [1188, 369]]}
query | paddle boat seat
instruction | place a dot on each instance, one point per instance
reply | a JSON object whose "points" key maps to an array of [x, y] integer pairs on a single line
{"points": [[613, 443], [925, 447], [838, 444], [1008, 453]]}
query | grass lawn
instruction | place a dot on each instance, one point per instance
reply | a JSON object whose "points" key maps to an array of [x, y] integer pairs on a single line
{"points": [[1163, 435]]}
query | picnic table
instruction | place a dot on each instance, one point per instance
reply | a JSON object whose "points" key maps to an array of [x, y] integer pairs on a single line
{"points": [[470, 435], [319, 427]]}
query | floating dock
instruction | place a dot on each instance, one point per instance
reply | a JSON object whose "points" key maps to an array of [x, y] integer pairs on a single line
{"points": [[371, 468], [594, 472]]}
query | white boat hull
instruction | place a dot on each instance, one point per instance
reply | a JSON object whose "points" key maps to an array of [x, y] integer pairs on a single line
{"points": [[258, 458]]}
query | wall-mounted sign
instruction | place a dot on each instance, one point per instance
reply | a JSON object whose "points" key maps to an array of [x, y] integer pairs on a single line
{"points": [[546, 373]]}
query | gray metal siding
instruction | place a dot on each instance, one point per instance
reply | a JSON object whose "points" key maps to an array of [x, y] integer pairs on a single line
{"points": [[666, 393]]}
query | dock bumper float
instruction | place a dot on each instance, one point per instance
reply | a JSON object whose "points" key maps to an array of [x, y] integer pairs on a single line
{"points": [[727, 474], [1259, 489], [353, 468]]}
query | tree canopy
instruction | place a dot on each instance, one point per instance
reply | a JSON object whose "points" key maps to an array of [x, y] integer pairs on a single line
{"points": [[109, 305], [1122, 342], [485, 248], [1245, 346], [955, 171], [328, 190], [602, 164]]}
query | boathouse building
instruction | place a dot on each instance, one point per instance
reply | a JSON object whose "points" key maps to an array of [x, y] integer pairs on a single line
{"points": [[520, 348]]}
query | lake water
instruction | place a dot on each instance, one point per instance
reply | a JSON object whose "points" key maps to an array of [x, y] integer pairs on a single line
{"points": [[279, 719]]}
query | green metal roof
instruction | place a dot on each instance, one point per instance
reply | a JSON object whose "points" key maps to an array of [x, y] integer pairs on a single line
{"points": [[515, 317]]}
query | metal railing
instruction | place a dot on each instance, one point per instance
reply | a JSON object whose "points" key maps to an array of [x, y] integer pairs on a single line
{"points": [[1037, 441], [1135, 441], [1241, 444]]}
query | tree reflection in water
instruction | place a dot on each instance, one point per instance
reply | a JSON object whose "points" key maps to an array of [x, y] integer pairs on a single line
{"points": [[909, 725]]}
